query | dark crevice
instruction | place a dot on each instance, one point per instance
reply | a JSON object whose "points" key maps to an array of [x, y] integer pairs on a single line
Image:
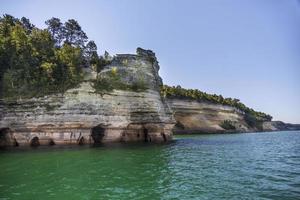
{"points": [[15, 143], [97, 134], [164, 136], [81, 141], [4, 137], [179, 126], [35, 142], [146, 135], [51, 142]]}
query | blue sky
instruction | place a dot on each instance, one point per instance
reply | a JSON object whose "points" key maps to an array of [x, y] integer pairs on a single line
{"points": [[246, 49]]}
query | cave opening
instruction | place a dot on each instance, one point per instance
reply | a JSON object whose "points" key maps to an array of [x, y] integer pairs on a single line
{"points": [[179, 126], [35, 142], [3, 132], [97, 134], [146, 135], [3, 136], [164, 136], [81, 141], [51, 142], [6, 138]]}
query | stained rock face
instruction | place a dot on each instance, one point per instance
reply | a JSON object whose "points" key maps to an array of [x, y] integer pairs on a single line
{"points": [[198, 117], [84, 116]]}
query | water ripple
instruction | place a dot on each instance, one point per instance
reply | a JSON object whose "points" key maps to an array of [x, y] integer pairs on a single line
{"points": [[233, 166]]}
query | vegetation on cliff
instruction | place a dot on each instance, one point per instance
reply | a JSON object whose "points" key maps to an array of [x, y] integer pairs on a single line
{"points": [[112, 81], [252, 117], [36, 62], [228, 125]]}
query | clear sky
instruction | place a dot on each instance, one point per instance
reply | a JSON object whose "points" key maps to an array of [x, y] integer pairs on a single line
{"points": [[246, 49]]}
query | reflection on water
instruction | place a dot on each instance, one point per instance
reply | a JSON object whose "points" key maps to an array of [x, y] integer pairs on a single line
{"points": [[235, 166]]}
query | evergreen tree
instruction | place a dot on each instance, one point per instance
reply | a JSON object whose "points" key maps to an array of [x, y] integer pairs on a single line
{"points": [[91, 55], [26, 24], [73, 33], [55, 27], [35, 62]]}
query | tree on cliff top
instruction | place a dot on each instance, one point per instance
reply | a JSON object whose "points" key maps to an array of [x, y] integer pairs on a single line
{"points": [[73, 34], [55, 27], [251, 116], [35, 62]]}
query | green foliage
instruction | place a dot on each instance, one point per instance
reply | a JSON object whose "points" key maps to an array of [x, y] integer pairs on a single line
{"points": [[113, 80], [253, 121], [179, 92], [73, 33], [101, 63], [138, 86], [55, 27], [227, 125], [102, 85], [36, 62]]}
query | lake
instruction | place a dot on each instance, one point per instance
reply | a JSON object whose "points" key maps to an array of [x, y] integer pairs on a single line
{"points": [[221, 166]]}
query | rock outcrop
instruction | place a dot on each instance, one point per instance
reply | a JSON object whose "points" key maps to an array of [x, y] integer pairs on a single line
{"points": [[199, 117], [85, 116], [280, 126]]}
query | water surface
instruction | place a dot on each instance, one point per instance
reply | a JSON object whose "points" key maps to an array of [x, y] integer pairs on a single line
{"points": [[231, 166]]}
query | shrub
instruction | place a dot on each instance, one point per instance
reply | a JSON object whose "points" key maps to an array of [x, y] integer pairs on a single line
{"points": [[113, 81], [227, 125]]}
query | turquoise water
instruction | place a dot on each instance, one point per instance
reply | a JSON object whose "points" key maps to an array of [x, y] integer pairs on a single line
{"points": [[231, 166]]}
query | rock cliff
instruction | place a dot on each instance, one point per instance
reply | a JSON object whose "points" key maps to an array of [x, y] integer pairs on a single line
{"points": [[85, 115], [199, 117], [280, 126], [122, 103]]}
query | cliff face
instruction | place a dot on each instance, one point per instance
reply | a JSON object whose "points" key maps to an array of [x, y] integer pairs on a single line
{"points": [[84, 116], [198, 117], [280, 126], [120, 104]]}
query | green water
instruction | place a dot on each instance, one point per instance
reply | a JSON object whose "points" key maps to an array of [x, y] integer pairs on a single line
{"points": [[232, 166]]}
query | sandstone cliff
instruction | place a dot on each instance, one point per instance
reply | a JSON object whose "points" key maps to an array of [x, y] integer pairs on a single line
{"points": [[84, 115], [280, 126], [200, 117], [120, 104]]}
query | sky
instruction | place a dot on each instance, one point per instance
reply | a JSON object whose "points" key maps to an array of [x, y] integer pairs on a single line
{"points": [[245, 49]]}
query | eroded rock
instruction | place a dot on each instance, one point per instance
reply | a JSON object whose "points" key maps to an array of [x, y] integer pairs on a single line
{"points": [[85, 116]]}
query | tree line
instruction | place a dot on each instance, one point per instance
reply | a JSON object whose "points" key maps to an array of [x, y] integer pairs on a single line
{"points": [[251, 116], [36, 62]]}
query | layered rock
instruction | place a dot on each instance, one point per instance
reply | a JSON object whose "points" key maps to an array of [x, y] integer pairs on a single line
{"points": [[280, 126], [126, 106], [85, 116], [200, 117]]}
